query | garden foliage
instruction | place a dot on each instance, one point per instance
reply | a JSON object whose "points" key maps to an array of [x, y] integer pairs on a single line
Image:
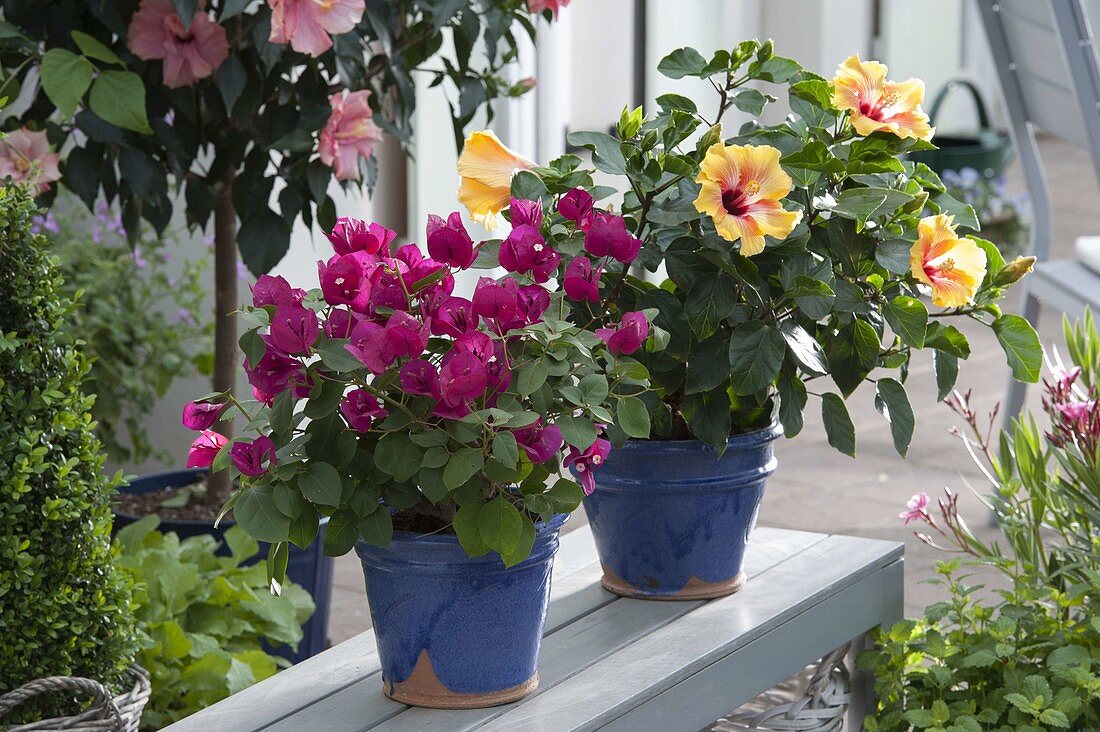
{"points": [[203, 620], [65, 609]]}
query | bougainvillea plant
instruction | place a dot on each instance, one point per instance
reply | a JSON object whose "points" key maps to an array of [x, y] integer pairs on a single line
{"points": [[228, 101], [789, 255], [384, 398]]}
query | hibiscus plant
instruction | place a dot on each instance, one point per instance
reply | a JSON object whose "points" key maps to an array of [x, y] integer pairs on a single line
{"points": [[248, 109], [383, 398], [788, 255]]}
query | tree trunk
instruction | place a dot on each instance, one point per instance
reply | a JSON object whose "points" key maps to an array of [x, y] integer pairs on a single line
{"points": [[225, 324]]}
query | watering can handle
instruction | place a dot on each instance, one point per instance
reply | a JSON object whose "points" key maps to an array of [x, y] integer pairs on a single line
{"points": [[979, 103]]}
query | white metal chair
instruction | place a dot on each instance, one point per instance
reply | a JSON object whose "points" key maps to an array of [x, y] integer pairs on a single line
{"points": [[1046, 61]]}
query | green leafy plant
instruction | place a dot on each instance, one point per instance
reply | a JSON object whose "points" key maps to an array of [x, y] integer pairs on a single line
{"points": [[64, 608], [203, 619], [141, 320], [1024, 655], [791, 255], [214, 105]]}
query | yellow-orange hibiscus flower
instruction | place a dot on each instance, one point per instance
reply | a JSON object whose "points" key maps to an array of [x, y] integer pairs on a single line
{"points": [[741, 189], [486, 167], [877, 105], [954, 268]]}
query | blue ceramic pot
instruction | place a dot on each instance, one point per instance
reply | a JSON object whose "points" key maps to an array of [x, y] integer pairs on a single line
{"points": [[307, 567], [453, 631], [671, 520]]}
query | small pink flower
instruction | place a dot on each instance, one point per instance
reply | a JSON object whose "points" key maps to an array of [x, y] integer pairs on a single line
{"points": [[576, 206], [407, 336], [916, 509], [537, 6], [25, 157], [249, 457], [607, 236], [355, 235], [201, 416], [419, 378], [533, 302], [582, 280], [189, 54], [495, 300], [349, 134], [449, 242], [454, 316], [205, 448], [585, 463], [309, 24], [273, 373], [345, 280], [275, 290], [463, 377], [526, 213], [628, 336], [293, 329], [371, 344], [525, 251], [540, 441], [338, 324], [361, 409]]}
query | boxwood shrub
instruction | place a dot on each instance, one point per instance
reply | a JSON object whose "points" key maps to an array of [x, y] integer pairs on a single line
{"points": [[64, 608]]}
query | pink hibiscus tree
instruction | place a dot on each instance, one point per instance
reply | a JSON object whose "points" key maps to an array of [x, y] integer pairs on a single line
{"points": [[210, 106], [440, 405]]}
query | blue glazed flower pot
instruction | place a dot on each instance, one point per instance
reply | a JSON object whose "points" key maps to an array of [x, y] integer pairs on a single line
{"points": [[671, 520], [307, 567], [457, 632]]}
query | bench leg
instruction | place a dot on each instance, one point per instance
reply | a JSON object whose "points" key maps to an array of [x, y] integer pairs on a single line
{"points": [[862, 686]]}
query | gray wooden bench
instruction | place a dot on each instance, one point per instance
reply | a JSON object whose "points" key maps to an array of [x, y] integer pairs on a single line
{"points": [[619, 664]]}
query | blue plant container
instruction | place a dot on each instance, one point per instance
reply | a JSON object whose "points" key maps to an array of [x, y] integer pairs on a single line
{"points": [[672, 520], [453, 631], [307, 567]]}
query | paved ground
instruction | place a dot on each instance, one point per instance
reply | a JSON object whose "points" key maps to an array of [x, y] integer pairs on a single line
{"points": [[818, 489]]}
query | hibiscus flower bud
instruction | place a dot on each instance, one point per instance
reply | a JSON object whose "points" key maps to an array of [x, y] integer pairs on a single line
{"points": [[628, 336], [449, 242], [205, 448], [1014, 271]]}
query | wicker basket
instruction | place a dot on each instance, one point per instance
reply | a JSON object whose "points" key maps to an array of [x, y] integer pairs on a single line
{"points": [[119, 714]]}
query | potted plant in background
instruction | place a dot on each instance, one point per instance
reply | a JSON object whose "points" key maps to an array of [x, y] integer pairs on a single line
{"points": [[221, 101], [65, 609], [789, 255], [428, 428], [1022, 650]]}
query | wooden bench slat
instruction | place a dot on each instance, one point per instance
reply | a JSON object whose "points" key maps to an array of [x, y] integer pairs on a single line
{"points": [[628, 678]]}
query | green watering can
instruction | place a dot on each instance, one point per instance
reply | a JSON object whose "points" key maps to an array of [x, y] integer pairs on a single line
{"points": [[987, 151]]}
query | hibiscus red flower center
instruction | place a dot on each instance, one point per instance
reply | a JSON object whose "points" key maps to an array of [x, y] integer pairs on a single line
{"points": [[735, 201]]}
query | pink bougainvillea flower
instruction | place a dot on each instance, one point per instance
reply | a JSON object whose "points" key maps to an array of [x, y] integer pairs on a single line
{"points": [[628, 336], [371, 344], [419, 378], [576, 206], [349, 134], [877, 105], [954, 268], [463, 377], [525, 251], [916, 509], [539, 440], [275, 290], [355, 235], [339, 323], [249, 457], [741, 188], [454, 316], [205, 448], [449, 242], [495, 300], [157, 33], [273, 373], [345, 280], [201, 416], [537, 6], [525, 213], [293, 329], [486, 167], [25, 157], [361, 409], [407, 335], [308, 25], [582, 280], [607, 236], [585, 463], [533, 302]]}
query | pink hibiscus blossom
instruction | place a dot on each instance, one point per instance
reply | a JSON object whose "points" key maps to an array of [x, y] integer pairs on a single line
{"points": [[157, 33], [205, 448], [554, 6], [349, 134], [308, 25], [916, 509], [25, 157], [249, 457]]}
